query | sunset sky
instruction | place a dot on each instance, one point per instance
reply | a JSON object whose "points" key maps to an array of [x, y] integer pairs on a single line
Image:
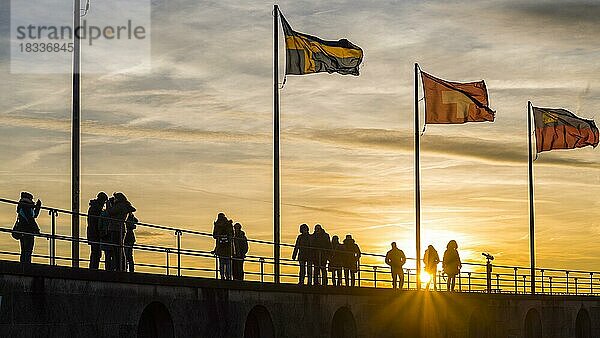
{"points": [[193, 137]]}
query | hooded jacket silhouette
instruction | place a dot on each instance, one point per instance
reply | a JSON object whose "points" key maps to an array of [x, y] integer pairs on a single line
{"points": [[352, 254]]}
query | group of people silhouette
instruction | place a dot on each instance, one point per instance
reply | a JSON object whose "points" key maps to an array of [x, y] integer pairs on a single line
{"points": [[314, 252], [110, 230]]}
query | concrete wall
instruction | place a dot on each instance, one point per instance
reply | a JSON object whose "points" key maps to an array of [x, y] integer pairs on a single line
{"points": [[43, 301]]}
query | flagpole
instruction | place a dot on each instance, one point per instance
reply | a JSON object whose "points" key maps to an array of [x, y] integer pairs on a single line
{"points": [[276, 182], [531, 205], [76, 138], [417, 180]]}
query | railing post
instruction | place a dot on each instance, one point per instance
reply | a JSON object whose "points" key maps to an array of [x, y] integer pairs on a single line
{"points": [[469, 280], [178, 234], [375, 275], [53, 213], [542, 280], [567, 282], [516, 286], [216, 266], [550, 284], [358, 271], [167, 252], [497, 283], [408, 278], [459, 281], [262, 270], [488, 276], [524, 283], [591, 283], [576, 285]]}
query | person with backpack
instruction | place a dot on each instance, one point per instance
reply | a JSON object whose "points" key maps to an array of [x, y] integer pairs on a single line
{"points": [[302, 252], [223, 235], [26, 226], [451, 264], [93, 234], [129, 241], [240, 249]]}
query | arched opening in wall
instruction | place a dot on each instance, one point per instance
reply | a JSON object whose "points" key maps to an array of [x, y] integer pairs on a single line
{"points": [[583, 325], [343, 324], [155, 322], [533, 324], [479, 325], [259, 323]]}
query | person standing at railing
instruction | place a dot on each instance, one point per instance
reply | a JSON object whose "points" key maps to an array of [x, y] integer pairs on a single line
{"points": [[431, 260], [223, 235], [302, 252], [322, 244], [118, 213], [240, 249], [27, 212], [336, 261], [93, 232], [351, 259], [129, 241], [395, 258], [451, 264], [104, 234]]}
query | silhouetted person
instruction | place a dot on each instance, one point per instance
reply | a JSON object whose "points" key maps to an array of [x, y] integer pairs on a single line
{"points": [[451, 264], [27, 212], [336, 261], [351, 258], [129, 241], [118, 213], [395, 258], [104, 226], [93, 232], [223, 235], [431, 260], [322, 244], [302, 252], [240, 249]]}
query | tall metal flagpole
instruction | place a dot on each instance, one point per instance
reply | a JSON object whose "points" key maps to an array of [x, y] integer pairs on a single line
{"points": [[417, 179], [531, 205], [276, 184], [75, 142]]}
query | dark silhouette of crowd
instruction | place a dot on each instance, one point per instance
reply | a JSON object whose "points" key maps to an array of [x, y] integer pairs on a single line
{"points": [[316, 253], [111, 225]]}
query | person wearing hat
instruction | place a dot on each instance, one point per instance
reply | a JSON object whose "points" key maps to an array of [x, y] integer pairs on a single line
{"points": [[27, 212], [93, 232], [351, 260]]}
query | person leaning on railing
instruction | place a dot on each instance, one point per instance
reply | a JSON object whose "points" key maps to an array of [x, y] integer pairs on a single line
{"points": [[27, 212]]}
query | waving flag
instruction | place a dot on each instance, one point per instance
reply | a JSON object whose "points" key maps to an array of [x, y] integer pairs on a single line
{"points": [[557, 128], [454, 102], [306, 54]]}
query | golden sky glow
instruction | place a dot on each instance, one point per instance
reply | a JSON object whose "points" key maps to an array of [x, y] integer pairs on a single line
{"points": [[193, 137]]}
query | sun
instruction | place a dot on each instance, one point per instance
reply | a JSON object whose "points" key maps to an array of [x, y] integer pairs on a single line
{"points": [[425, 277]]}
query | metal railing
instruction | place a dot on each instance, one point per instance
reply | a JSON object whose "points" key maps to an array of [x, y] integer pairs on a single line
{"points": [[473, 276]]}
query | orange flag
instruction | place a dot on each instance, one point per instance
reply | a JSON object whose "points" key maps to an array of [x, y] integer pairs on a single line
{"points": [[454, 102], [557, 128]]}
